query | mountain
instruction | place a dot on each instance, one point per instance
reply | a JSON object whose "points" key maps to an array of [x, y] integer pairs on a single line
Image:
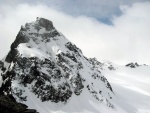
{"points": [[48, 73]]}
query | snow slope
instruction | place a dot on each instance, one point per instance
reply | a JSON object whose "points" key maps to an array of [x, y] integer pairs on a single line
{"points": [[131, 85]]}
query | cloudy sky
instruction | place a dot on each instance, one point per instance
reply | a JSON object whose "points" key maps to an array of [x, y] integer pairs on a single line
{"points": [[114, 30]]}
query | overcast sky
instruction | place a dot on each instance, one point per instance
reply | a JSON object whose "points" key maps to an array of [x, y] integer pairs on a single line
{"points": [[116, 30]]}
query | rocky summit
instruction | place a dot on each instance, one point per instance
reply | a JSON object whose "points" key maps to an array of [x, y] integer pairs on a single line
{"points": [[47, 72]]}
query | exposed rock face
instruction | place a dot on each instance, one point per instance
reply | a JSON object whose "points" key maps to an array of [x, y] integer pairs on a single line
{"points": [[44, 63], [41, 22], [9, 105], [132, 65], [101, 65]]}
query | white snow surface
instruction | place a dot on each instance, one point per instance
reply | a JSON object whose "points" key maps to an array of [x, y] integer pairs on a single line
{"points": [[1, 81], [131, 86]]}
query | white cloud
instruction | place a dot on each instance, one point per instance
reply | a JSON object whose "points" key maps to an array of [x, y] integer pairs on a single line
{"points": [[101, 9], [128, 39]]}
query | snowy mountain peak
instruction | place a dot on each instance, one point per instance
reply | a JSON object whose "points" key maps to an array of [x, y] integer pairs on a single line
{"points": [[36, 35], [40, 23], [45, 68], [41, 28]]}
